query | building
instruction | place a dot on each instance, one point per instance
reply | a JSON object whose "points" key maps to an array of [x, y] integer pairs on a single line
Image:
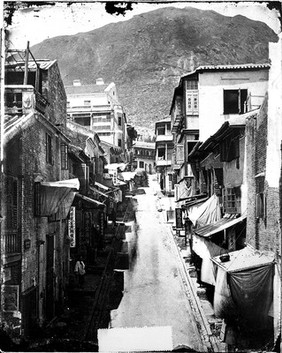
{"points": [[164, 149], [204, 99], [38, 195], [235, 234], [97, 107], [144, 156]]}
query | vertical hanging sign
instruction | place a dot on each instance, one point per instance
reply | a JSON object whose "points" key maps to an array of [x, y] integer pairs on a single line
{"points": [[71, 227], [178, 218]]}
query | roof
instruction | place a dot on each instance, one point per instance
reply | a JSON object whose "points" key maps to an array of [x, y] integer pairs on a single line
{"points": [[203, 68], [166, 120], [238, 122], [86, 89], [223, 223], [245, 258], [44, 64], [238, 67]]}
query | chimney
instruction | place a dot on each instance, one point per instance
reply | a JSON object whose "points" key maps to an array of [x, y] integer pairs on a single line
{"points": [[99, 81], [76, 83]]}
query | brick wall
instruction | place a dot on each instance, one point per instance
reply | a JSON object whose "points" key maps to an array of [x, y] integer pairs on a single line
{"points": [[55, 92], [262, 233]]}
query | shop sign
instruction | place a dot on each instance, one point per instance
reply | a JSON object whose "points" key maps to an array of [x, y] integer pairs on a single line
{"points": [[102, 229], [178, 218], [71, 227]]}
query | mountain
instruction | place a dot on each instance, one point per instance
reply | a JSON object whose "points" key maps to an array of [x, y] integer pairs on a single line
{"points": [[146, 55]]}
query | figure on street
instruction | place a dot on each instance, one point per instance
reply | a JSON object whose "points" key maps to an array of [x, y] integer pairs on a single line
{"points": [[79, 270]]}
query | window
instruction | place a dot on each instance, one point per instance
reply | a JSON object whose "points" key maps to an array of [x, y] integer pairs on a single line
{"points": [[49, 149], [161, 153], [192, 103], [83, 120], [234, 101], [161, 130], [64, 156], [192, 84], [141, 164], [119, 142], [232, 200], [68, 104], [119, 120], [260, 198], [12, 203]]}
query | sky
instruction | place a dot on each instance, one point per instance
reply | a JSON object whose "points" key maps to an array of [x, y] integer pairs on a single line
{"points": [[34, 24]]}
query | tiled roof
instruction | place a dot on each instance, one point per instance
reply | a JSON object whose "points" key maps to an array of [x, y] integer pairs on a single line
{"points": [[228, 67]]}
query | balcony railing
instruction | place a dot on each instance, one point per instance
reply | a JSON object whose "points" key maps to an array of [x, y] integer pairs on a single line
{"points": [[23, 99]]}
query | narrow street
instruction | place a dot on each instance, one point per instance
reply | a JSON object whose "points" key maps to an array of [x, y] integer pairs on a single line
{"points": [[154, 292]]}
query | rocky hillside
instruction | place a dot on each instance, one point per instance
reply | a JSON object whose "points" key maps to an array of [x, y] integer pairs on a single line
{"points": [[145, 56]]}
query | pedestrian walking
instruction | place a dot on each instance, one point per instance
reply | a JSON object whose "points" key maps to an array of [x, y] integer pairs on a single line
{"points": [[79, 270]]}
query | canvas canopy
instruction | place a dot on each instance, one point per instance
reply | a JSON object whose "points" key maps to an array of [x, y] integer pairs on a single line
{"points": [[244, 285], [224, 223], [50, 197], [207, 213]]}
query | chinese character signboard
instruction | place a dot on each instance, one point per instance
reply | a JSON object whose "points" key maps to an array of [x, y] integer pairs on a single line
{"points": [[178, 218], [71, 227], [102, 228]]}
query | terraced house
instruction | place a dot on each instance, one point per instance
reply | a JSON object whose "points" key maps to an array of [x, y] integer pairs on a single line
{"points": [[233, 225], [38, 196]]}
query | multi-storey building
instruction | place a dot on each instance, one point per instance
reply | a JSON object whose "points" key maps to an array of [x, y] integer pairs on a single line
{"points": [[238, 164], [164, 149], [38, 195], [205, 99], [97, 107], [144, 156]]}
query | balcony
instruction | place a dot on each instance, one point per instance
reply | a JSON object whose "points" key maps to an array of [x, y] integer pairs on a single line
{"points": [[161, 162], [23, 99], [164, 138]]}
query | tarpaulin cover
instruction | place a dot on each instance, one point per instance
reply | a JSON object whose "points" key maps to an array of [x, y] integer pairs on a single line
{"points": [[207, 213], [246, 282], [275, 308], [52, 196], [206, 250], [252, 292], [223, 304]]}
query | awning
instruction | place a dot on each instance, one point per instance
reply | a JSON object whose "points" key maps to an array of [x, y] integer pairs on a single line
{"points": [[101, 186], [99, 192], [223, 223], [50, 197], [90, 200], [207, 213]]}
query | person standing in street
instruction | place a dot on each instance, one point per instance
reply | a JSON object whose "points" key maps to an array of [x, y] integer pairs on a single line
{"points": [[79, 270]]}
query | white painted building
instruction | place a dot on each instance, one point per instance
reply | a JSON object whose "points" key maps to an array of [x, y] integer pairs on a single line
{"points": [[97, 107]]}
